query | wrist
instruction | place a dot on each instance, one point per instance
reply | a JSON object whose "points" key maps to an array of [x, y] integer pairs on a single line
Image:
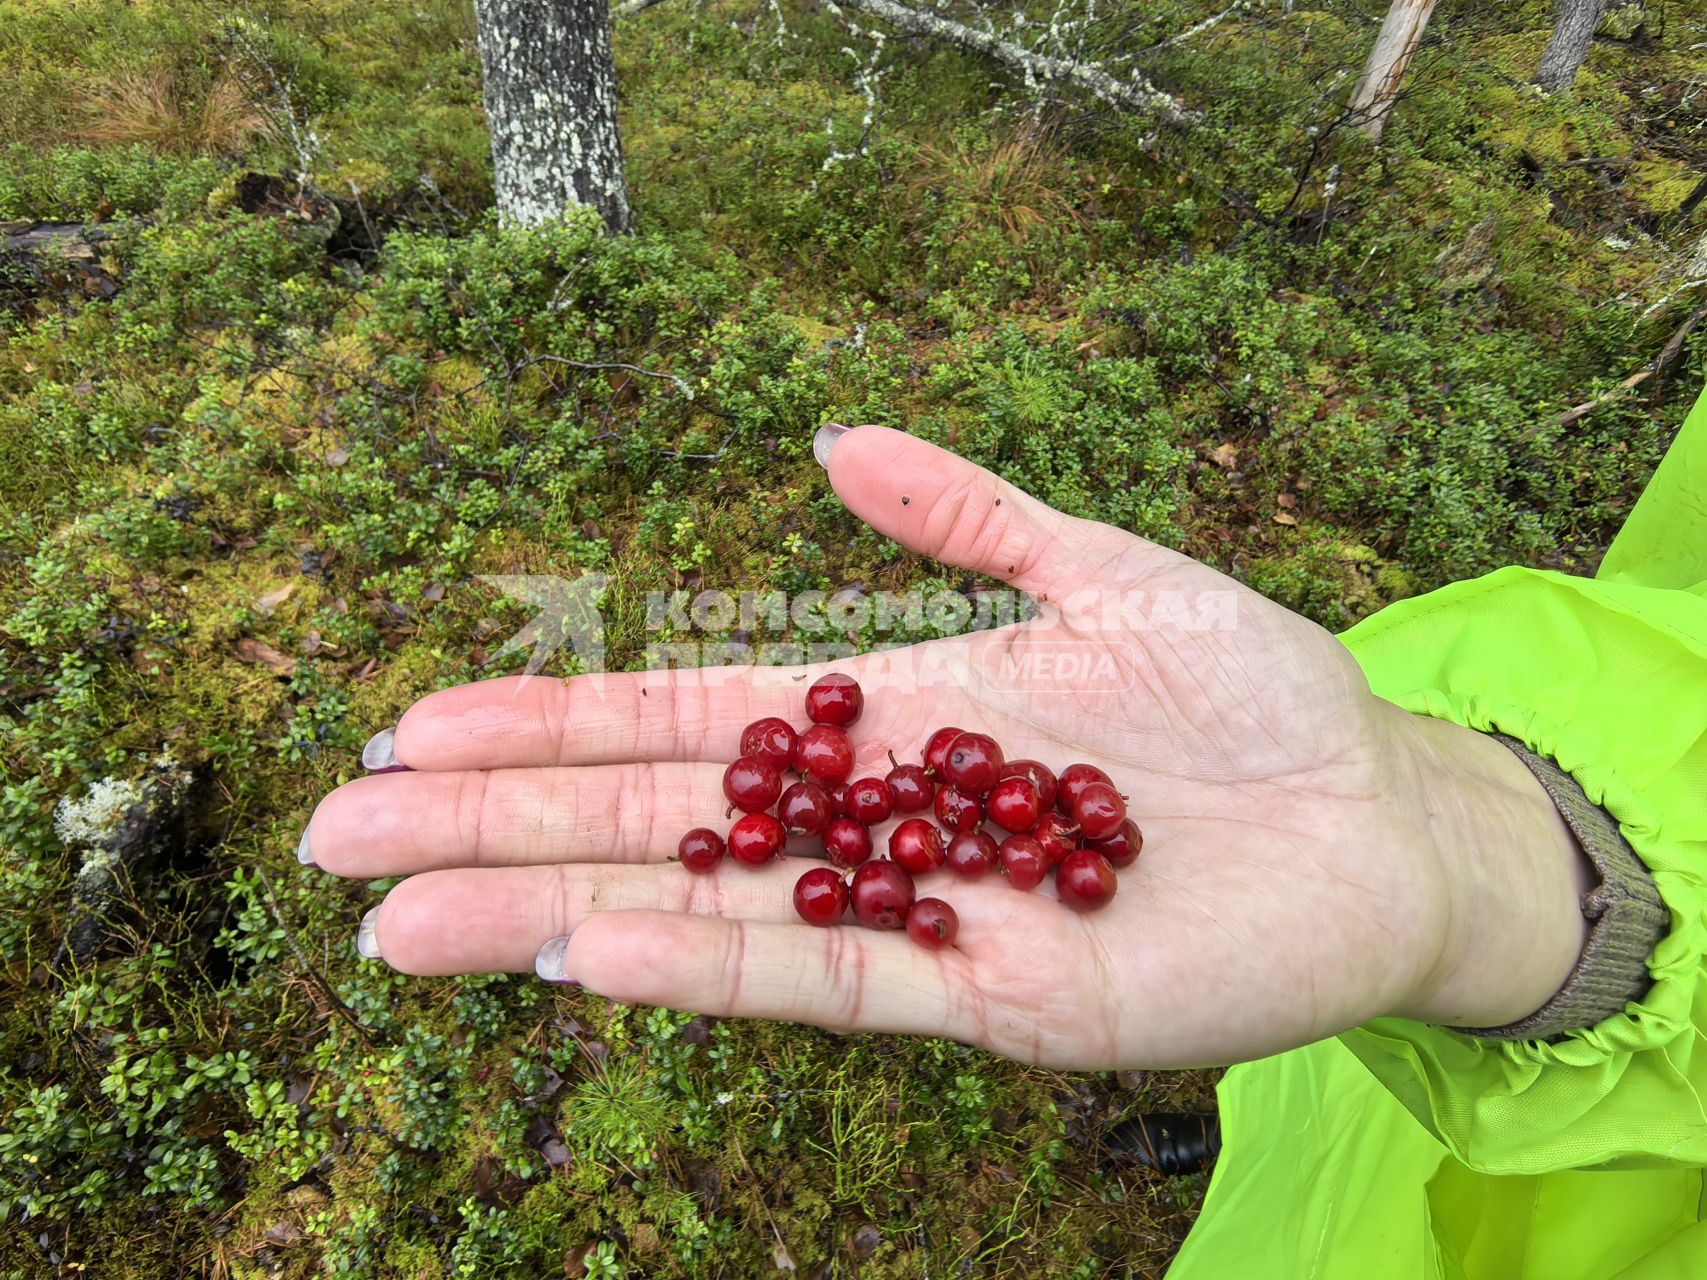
{"points": [[1515, 876]]}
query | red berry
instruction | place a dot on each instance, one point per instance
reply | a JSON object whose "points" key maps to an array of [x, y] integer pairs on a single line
{"points": [[824, 752], [869, 801], [1042, 777], [911, 786], [881, 894], [972, 853], [973, 762], [1099, 811], [1123, 847], [1023, 862], [700, 849], [917, 845], [805, 809], [771, 740], [1014, 805], [1085, 881], [834, 699], [932, 923], [957, 810], [1057, 835], [820, 897], [846, 842], [936, 750], [1074, 779], [755, 839], [839, 799], [751, 785]]}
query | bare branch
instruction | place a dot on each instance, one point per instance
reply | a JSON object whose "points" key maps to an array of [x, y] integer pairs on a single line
{"points": [[1667, 354]]}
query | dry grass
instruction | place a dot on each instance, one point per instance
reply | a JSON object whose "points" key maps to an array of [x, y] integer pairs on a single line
{"points": [[1018, 181], [154, 109]]}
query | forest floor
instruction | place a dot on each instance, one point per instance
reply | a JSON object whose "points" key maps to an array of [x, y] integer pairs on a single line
{"points": [[245, 500]]}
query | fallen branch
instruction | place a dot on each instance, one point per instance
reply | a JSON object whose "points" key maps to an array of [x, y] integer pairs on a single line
{"points": [[1133, 92], [1667, 354]]}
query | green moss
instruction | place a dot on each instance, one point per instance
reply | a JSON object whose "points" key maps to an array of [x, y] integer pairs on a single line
{"points": [[1097, 316]]}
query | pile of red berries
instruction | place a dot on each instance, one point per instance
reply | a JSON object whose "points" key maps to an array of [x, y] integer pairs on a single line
{"points": [[1074, 825]]}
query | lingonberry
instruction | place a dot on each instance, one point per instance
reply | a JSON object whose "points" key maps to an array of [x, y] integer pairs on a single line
{"points": [[936, 750], [1057, 835], [834, 699], [1099, 811], [771, 740], [751, 785], [973, 761], [700, 849], [917, 845], [881, 893], [1023, 862], [1085, 881], [932, 923], [1042, 777], [1074, 779], [957, 810], [870, 801], [1014, 804], [971, 854], [805, 809], [824, 752], [756, 838], [911, 786], [846, 842], [1123, 847], [820, 896]]}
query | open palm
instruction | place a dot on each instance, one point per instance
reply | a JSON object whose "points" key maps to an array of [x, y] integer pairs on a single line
{"points": [[1302, 870]]}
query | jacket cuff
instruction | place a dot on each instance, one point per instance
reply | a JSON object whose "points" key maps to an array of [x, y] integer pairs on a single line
{"points": [[1629, 918]]}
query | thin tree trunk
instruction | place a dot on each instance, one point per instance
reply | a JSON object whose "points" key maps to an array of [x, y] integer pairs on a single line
{"points": [[1401, 32], [551, 106], [1569, 45]]}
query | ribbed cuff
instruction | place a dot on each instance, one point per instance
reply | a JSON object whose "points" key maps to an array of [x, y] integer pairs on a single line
{"points": [[1629, 917]]}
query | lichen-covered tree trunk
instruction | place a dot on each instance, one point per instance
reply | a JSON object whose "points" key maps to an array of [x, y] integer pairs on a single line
{"points": [[1395, 46], [551, 106], [1571, 35]]}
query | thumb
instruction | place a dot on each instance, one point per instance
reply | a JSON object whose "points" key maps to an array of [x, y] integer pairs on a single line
{"points": [[942, 506]]}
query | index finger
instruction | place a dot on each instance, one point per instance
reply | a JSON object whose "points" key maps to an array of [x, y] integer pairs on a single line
{"points": [[688, 714]]}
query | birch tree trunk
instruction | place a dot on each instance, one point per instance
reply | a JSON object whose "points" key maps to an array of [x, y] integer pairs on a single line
{"points": [[550, 96], [1401, 32], [1569, 45]]}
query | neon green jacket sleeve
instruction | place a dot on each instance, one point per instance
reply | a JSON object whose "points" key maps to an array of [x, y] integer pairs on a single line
{"points": [[1608, 676]]}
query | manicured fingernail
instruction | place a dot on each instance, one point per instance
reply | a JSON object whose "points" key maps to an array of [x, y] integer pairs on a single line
{"points": [[380, 754], [302, 854], [826, 439], [548, 964], [367, 936]]}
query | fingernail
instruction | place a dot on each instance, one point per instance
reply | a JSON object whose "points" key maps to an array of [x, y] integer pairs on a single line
{"points": [[548, 964], [380, 754], [826, 439], [367, 936], [302, 854]]}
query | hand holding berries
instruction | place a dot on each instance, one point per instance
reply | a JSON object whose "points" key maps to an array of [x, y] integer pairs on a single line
{"points": [[1311, 827]]}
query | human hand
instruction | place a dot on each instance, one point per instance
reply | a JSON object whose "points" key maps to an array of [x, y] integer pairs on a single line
{"points": [[1314, 856]]}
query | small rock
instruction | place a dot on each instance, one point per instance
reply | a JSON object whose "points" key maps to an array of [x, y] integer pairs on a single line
{"points": [[866, 1240], [284, 1233]]}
